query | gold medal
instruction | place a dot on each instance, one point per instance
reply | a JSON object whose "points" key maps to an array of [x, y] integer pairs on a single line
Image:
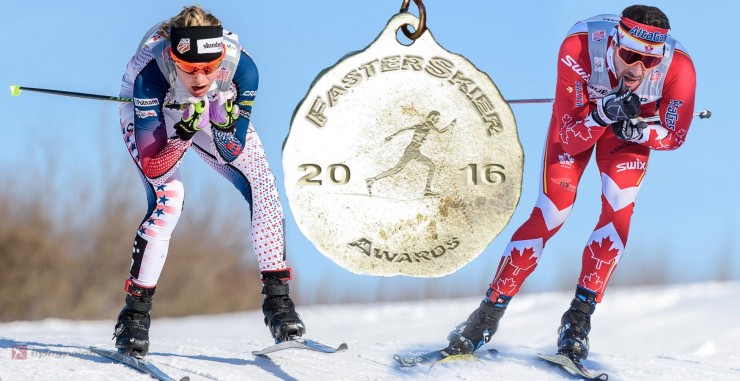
{"points": [[402, 159]]}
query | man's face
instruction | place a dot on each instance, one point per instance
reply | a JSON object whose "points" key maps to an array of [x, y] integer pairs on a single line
{"points": [[197, 84], [632, 74], [434, 119]]}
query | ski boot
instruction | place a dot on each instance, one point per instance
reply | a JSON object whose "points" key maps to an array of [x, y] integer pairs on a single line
{"points": [[480, 326], [576, 324], [280, 316], [132, 329]]}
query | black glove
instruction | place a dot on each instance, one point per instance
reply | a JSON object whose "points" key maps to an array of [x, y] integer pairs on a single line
{"points": [[621, 104], [629, 131], [194, 119]]}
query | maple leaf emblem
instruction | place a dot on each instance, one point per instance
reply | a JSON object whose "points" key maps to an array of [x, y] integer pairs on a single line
{"points": [[506, 286], [523, 260], [593, 282], [603, 252], [566, 159], [569, 129]]}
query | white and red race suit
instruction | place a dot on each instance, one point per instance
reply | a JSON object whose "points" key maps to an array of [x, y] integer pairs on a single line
{"points": [[585, 74], [238, 156]]}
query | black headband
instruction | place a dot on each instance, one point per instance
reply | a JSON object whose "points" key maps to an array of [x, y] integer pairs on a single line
{"points": [[197, 43]]}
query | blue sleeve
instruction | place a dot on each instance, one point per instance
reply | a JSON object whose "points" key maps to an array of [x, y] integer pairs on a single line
{"points": [[150, 131], [246, 80]]}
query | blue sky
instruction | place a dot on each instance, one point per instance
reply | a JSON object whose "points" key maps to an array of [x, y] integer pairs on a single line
{"points": [[686, 212]]}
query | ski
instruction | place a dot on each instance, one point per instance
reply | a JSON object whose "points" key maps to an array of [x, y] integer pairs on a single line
{"points": [[573, 367], [141, 365], [300, 344], [436, 357]]}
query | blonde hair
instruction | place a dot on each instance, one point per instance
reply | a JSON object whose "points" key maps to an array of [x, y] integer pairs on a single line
{"points": [[189, 16]]}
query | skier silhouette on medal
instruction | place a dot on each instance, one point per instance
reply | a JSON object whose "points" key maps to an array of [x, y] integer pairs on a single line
{"points": [[412, 152]]}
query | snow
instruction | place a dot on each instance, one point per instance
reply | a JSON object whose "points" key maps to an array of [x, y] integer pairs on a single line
{"points": [[674, 332]]}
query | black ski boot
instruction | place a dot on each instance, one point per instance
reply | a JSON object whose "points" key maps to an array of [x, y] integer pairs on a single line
{"points": [[576, 324], [480, 326], [132, 329], [280, 316]]}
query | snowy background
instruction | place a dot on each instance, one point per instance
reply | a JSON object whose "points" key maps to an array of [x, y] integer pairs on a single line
{"points": [[684, 227], [671, 333]]}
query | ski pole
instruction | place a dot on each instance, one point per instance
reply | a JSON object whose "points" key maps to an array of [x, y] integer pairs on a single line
{"points": [[535, 100], [703, 114], [16, 90]]}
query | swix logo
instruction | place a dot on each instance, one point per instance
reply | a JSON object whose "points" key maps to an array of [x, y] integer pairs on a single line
{"points": [[571, 63], [671, 114], [649, 36], [636, 164]]}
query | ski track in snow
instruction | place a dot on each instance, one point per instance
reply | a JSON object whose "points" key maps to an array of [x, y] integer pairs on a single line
{"points": [[677, 332]]}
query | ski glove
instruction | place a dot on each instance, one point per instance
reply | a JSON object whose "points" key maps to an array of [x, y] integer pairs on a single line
{"points": [[619, 105], [629, 130], [223, 112], [194, 118]]}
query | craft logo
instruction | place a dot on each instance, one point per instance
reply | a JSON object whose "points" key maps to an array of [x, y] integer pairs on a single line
{"points": [[19, 352], [184, 45], [597, 35]]}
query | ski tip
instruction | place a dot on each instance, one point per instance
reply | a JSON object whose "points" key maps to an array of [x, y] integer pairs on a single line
{"points": [[15, 90]]}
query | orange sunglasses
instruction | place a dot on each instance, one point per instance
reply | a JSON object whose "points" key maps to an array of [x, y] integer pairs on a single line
{"points": [[193, 68]]}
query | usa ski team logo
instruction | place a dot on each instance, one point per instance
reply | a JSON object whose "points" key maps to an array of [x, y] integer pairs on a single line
{"points": [[184, 45]]}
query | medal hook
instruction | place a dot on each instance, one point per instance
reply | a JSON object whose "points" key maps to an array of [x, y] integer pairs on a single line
{"points": [[422, 20]]}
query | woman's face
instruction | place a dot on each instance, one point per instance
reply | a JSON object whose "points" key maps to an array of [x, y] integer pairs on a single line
{"points": [[197, 84]]}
